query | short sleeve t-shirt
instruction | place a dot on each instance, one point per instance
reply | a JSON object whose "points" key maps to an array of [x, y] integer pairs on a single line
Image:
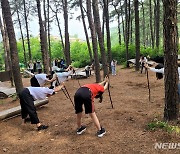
{"points": [[40, 93], [63, 76], [41, 78], [95, 89]]}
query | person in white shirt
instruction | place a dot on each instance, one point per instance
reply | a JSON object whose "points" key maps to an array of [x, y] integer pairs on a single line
{"points": [[27, 97], [62, 76], [39, 80], [143, 60], [159, 70]]}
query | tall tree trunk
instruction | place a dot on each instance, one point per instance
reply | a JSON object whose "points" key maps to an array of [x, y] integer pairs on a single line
{"points": [[143, 24], [157, 23], [27, 30], [100, 38], [119, 24], [94, 41], [43, 39], [85, 31], [137, 36], [103, 22], [131, 31], [106, 12], [13, 46], [5, 46], [151, 25], [171, 109], [67, 43], [22, 37], [127, 31], [60, 33], [123, 25], [49, 36]]}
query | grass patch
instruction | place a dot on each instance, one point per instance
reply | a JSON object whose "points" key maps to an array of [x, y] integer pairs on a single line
{"points": [[164, 126]]}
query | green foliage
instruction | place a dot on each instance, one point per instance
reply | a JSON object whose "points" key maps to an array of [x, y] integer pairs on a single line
{"points": [[79, 54], [163, 125]]}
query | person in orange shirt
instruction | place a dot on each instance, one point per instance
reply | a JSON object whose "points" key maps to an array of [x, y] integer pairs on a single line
{"points": [[85, 95]]}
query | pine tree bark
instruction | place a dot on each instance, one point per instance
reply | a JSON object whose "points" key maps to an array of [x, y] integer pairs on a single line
{"points": [[119, 24], [100, 38], [127, 30], [150, 23], [85, 31], [60, 33], [5, 46], [27, 30], [49, 35], [13, 46], [143, 25], [43, 40], [106, 13], [67, 43], [157, 23], [171, 109], [22, 37], [137, 36], [94, 40]]}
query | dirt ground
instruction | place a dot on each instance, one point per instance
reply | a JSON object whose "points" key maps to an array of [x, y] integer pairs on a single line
{"points": [[126, 124]]}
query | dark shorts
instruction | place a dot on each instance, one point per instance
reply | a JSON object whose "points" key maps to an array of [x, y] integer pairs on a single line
{"points": [[34, 82], [83, 96]]}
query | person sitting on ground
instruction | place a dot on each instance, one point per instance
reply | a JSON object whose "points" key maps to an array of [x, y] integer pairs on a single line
{"points": [[27, 97], [39, 80], [85, 95]]}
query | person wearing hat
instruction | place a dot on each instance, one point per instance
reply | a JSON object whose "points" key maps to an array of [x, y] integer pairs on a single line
{"points": [[85, 95], [27, 97]]}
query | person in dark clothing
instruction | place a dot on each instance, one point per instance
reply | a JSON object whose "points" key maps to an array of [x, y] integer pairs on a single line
{"points": [[27, 97], [85, 95]]}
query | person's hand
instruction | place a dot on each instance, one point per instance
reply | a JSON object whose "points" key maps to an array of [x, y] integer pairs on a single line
{"points": [[146, 65], [106, 79]]}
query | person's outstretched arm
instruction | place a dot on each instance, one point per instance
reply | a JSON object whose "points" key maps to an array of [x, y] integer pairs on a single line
{"points": [[105, 83]]}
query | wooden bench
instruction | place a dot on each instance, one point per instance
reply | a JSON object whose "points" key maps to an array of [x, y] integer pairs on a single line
{"points": [[17, 110]]}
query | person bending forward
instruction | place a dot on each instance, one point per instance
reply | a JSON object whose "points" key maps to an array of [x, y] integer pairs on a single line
{"points": [[27, 97], [85, 95]]}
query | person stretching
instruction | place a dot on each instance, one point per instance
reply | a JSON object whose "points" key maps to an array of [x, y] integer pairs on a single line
{"points": [[85, 95], [39, 80], [27, 97]]}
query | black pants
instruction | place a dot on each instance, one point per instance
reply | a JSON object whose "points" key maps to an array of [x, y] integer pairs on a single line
{"points": [[34, 82], [27, 106], [87, 73], [83, 96]]}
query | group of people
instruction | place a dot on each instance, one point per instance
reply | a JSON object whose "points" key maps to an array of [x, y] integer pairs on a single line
{"points": [[85, 95], [35, 66]]}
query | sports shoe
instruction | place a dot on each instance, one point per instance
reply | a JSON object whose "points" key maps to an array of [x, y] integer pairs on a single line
{"points": [[101, 132], [27, 120], [81, 130], [42, 127]]}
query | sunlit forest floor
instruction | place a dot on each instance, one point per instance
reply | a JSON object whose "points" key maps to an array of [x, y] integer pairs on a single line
{"points": [[126, 124]]}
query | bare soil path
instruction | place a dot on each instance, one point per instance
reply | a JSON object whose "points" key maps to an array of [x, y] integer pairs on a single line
{"points": [[125, 124]]}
